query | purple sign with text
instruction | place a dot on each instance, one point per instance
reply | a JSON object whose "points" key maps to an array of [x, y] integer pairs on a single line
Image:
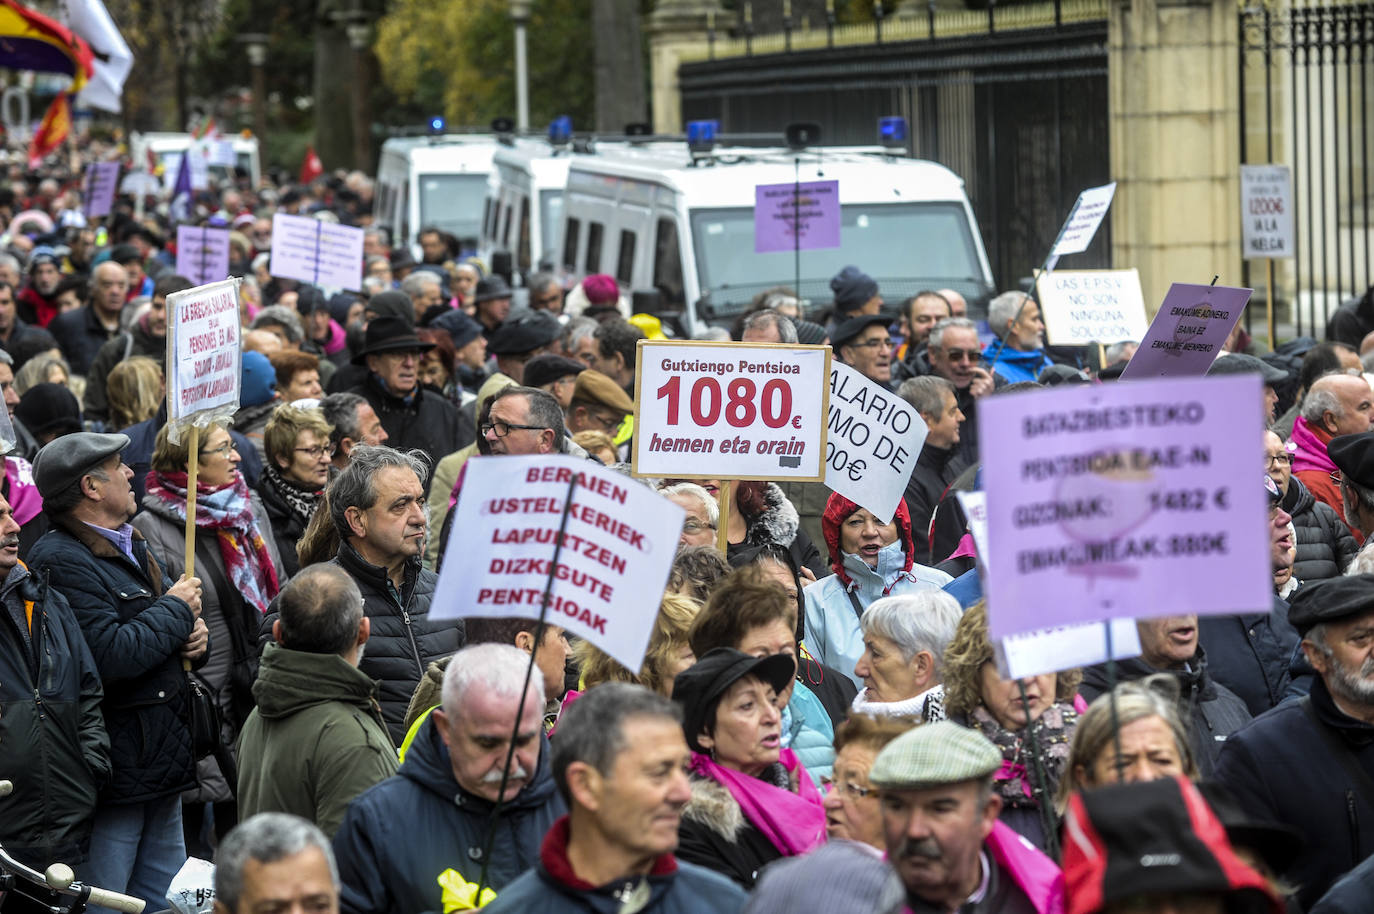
{"points": [[1188, 331], [802, 216], [202, 254], [1125, 501], [99, 192]]}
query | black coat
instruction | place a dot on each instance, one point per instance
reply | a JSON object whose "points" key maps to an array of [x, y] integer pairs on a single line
{"points": [[135, 631], [1351, 894], [1325, 546], [94, 403], [80, 335], [1250, 654], [428, 422], [53, 743], [935, 469], [1284, 767], [1211, 711], [286, 525], [714, 833], [1352, 321]]}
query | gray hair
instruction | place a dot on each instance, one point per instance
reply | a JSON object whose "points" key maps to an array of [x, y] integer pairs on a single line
{"points": [[1117, 351], [9, 260], [354, 486], [787, 331], [261, 261], [494, 669], [1355, 496], [576, 330], [542, 280], [692, 490], [1363, 562], [416, 283], [937, 333], [374, 284], [341, 411], [266, 838], [6, 358], [922, 621], [1318, 403], [926, 394], [280, 316], [713, 334], [542, 410], [593, 728], [321, 608], [1005, 308]]}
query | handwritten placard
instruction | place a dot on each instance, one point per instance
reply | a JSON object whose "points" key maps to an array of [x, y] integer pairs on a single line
{"points": [[1091, 306], [102, 179], [804, 216], [317, 252], [202, 254]]}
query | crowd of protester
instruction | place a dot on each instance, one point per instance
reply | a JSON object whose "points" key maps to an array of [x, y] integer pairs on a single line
{"points": [[820, 718]]}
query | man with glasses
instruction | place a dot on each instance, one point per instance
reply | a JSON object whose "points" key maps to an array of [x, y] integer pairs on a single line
{"points": [[864, 344], [956, 356], [598, 404], [546, 293], [524, 421], [1018, 353], [412, 415]]}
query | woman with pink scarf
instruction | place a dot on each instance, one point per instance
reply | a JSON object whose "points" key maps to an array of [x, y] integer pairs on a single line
{"points": [[752, 800]]}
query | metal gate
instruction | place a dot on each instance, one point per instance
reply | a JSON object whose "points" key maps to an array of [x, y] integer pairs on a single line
{"points": [[1306, 73]]}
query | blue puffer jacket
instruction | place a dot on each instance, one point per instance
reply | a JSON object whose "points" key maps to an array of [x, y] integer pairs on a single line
{"points": [[135, 631], [810, 733], [399, 836], [1014, 365]]}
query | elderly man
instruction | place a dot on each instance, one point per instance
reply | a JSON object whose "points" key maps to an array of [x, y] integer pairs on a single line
{"points": [[140, 627], [147, 337], [426, 292], [492, 298], [703, 513], [354, 421], [620, 763], [275, 862], [954, 354], [1018, 353], [864, 344], [38, 298], [939, 462], [943, 837], [82, 332], [546, 293], [598, 404], [768, 326], [1335, 405], [1309, 764], [434, 815], [554, 374], [523, 420], [316, 739]]}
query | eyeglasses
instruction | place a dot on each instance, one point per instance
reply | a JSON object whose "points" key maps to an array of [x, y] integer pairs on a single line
{"points": [[848, 788], [222, 449], [502, 429], [1278, 459], [609, 423], [959, 355], [873, 344], [316, 452], [694, 526], [545, 300]]}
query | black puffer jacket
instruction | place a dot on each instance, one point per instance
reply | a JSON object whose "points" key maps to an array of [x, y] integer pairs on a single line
{"points": [[936, 468], [404, 641], [1325, 546], [428, 422], [135, 631]]}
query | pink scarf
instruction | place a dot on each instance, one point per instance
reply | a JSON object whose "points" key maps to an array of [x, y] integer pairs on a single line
{"points": [[793, 822], [1311, 450]]}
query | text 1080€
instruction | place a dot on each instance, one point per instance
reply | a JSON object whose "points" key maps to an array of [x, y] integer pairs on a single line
{"points": [[737, 402]]}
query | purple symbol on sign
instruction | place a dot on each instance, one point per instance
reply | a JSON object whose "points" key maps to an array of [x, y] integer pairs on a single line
{"points": [[1104, 505]]}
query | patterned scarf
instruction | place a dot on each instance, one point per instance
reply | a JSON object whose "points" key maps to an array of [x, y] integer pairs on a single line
{"points": [[300, 500], [228, 511], [1015, 782]]}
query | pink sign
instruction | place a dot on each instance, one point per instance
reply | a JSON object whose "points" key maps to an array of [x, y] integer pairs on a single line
{"points": [[1125, 501], [1187, 333], [99, 192], [202, 254], [803, 216]]}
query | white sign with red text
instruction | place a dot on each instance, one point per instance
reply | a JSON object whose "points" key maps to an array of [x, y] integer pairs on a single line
{"points": [[203, 352], [731, 411], [616, 549]]}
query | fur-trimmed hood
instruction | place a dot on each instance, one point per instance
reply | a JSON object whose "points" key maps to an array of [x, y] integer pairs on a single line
{"points": [[777, 524], [712, 805]]}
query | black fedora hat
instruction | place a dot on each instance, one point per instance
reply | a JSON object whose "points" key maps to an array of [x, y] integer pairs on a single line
{"points": [[389, 334], [491, 289]]}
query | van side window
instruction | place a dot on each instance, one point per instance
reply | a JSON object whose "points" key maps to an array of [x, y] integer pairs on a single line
{"points": [[625, 260], [668, 263], [504, 238], [570, 245], [594, 232], [486, 218], [523, 234], [404, 208]]}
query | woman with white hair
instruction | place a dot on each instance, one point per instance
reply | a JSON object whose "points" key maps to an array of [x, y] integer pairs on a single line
{"points": [[902, 664]]}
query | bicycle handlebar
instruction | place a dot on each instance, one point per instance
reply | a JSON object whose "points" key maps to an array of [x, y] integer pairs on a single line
{"points": [[62, 880]]}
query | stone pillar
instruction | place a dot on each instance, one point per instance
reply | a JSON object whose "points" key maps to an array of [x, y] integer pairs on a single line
{"points": [[676, 27], [1175, 153]]}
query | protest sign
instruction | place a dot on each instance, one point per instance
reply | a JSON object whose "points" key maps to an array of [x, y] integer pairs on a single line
{"points": [[102, 178], [203, 355], [1187, 333], [873, 438], [202, 254], [1266, 218], [617, 549], [803, 216], [221, 152], [730, 411], [1079, 228], [1125, 500], [1091, 306], [317, 252]]}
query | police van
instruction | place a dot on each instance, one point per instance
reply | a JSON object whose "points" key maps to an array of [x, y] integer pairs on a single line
{"points": [[223, 154], [523, 212], [681, 221], [436, 181]]}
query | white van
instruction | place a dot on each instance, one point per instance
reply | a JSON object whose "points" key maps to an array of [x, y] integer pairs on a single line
{"points": [[656, 219], [523, 212], [168, 147], [438, 181]]}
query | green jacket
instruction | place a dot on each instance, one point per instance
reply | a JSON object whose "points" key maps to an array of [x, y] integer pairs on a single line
{"points": [[315, 740]]}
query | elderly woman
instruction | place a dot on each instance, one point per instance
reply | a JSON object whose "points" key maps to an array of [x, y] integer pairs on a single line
{"points": [[871, 560], [751, 613], [299, 454], [904, 648], [851, 803], [1031, 720], [240, 573], [752, 800], [1153, 740]]}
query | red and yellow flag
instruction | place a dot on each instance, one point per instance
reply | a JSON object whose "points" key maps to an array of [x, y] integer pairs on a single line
{"points": [[52, 133]]}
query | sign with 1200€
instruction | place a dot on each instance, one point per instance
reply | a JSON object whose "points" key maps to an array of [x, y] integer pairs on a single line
{"points": [[730, 411]]}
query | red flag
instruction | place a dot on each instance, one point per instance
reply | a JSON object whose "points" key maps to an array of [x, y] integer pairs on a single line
{"points": [[311, 168], [52, 133]]}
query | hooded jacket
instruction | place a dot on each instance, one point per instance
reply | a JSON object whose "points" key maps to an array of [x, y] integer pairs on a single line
{"points": [[1314, 467], [1015, 365], [1211, 711], [777, 525], [399, 836], [1325, 546], [315, 741], [833, 636], [675, 887]]}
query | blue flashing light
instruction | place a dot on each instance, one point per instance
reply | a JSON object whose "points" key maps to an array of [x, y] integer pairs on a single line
{"points": [[892, 132], [560, 130], [436, 124], [701, 135]]}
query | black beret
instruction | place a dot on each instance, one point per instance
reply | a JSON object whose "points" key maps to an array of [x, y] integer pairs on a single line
{"points": [[547, 368], [530, 331], [1240, 363], [851, 327], [1354, 456], [1331, 600]]}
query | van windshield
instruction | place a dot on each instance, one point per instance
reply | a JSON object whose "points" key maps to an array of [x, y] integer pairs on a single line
{"points": [[453, 203], [906, 247]]}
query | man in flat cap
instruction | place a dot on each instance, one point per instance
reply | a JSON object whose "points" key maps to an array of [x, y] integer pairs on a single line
{"points": [[1309, 764], [598, 404], [943, 837], [864, 344], [139, 627]]}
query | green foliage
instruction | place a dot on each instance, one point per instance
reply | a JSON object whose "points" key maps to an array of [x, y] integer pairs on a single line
{"points": [[222, 61]]}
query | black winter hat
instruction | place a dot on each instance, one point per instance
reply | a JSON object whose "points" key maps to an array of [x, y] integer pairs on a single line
{"points": [[699, 687], [1353, 455], [853, 288], [1331, 599]]}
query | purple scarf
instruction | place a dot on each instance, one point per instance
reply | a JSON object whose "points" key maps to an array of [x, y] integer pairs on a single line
{"points": [[793, 822], [1311, 450]]}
